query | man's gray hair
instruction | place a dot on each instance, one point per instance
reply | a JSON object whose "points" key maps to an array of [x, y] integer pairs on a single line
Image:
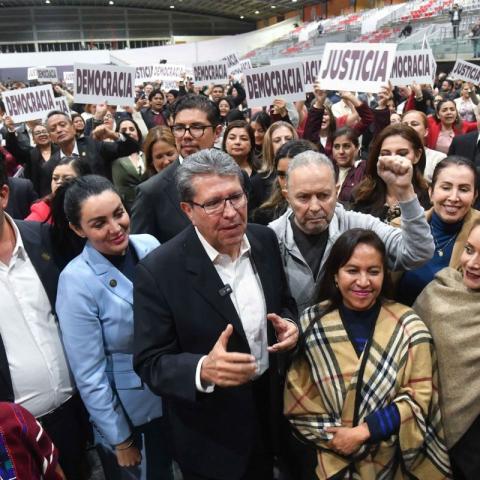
{"points": [[205, 162], [309, 158]]}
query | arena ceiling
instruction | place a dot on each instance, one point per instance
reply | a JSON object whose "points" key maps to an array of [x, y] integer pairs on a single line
{"points": [[216, 8]]}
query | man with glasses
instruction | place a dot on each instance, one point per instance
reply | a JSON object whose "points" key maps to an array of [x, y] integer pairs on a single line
{"points": [[156, 210], [212, 315]]}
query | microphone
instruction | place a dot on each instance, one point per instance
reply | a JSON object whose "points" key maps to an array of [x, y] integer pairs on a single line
{"points": [[225, 290]]}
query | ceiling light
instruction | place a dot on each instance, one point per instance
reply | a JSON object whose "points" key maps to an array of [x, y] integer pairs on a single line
{"points": [[294, 1], [273, 6], [242, 17], [256, 12], [172, 6], [47, 1], [111, 2]]}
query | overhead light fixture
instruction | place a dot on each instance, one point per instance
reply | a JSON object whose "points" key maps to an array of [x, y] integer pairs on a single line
{"points": [[242, 17], [172, 6], [256, 12], [47, 1], [111, 2], [273, 6]]}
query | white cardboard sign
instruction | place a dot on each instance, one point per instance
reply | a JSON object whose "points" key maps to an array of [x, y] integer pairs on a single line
{"points": [[466, 71], [46, 75], [32, 103], [32, 73], [265, 84], [413, 66], [69, 77], [62, 105], [210, 72], [358, 67], [232, 60], [311, 68], [161, 72], [100, 83]]}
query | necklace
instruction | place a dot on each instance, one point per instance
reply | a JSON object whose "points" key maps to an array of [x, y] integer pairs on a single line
{"points": [[440, 249]]}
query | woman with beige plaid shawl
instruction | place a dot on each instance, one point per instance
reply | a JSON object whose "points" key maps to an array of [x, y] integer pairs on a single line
{"points": [[362, 387]]}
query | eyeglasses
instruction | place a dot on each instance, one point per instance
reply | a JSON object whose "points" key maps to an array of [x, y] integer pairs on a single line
{"points": [[196, 131], [237, 201]]}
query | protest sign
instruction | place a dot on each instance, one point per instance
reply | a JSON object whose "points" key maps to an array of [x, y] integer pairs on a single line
{"points": [[32, 73], [240, 67], [69, 77], [232, 60], [265, 84], [311, 68], [359, 67], [162, 72], [412, 66], [210, 72], [29, 103], [62, 105], [48, 74], [104, 83], [466, 71]]}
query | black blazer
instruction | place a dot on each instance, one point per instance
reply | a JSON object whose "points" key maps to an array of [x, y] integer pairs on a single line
{"points": [[35, 167], [20, 198], [36, 239], [156, 209], [99, 155], [179, 314], [148, 117]]}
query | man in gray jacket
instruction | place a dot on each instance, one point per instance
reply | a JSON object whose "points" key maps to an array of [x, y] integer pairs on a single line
{"points": [[307, 231]]}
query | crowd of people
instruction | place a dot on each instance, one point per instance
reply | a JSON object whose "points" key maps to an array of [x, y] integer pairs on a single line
{"points": [[199, 290]]}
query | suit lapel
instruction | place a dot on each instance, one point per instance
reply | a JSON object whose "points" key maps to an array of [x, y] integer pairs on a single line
{"points": [[208, 283], [111, 278]]}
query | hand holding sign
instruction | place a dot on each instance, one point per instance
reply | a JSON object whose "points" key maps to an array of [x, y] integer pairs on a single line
{"points": [[280, 107], [384, 96], [397, 173], [320, 96], [227, 369]]}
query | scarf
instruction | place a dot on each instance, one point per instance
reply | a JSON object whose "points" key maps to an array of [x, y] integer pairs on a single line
{"points": [[330, 386]]}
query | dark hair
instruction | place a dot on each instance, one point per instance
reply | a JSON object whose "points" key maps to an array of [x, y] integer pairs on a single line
{"points": [[173, 92], [137, 128], [332, 121], [80, 189], [263, 119], [455, 160], [348, 132], [218, 86], [235, 115], [228, 100], [198, 102], [79, 165], [458, 120], [449, 81], [341, 252], [3, 171], [58, 112], [245, 126], [155, 91], [77, 115], [372, 189], [287, 150]]}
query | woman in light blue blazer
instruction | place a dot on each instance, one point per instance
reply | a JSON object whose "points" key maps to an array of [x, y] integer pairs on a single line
{"points": [[94, 307]]}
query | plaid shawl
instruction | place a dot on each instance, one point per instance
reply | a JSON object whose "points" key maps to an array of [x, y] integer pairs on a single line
{"points": [[331, 386]]}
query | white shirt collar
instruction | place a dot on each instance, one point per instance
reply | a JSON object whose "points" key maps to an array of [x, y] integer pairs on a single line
{"points": [[74, 151], [214, 254], [19, 249]]}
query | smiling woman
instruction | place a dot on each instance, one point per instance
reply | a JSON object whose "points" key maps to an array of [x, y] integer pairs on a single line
{"points": [[327, 395]]}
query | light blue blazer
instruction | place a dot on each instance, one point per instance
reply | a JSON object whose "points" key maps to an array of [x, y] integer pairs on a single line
{"points": [[95, 310]]}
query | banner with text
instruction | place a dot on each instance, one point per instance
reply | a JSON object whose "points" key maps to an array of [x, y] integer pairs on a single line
{"points": [[48, 74], [241, 67], [163, 72], [466, 71], [210, 72], [357, 67], [69, 77], [29, 103], [232, 60], [413, 66], [32, 73], [311, 68], [100, 83], [265, 84], [62, 105]]}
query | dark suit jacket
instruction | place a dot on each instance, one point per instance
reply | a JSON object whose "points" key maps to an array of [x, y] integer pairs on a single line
{"points": [[156, 209], [148, 117], [35, 167], [467, 146], [36, 239], [21, 196], [99, 155], [179, 314]]}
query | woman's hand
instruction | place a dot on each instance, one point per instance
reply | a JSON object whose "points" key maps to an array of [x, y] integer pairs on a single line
{"points": [[280, 107], [102, 132], [397, 173], [347, 441], [384, 96], [320, 96], [128, 455]]}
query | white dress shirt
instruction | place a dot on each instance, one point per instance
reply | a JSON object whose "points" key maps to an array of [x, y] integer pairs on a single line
{"points": [[40, 376], [75, 152], [247, 297]]}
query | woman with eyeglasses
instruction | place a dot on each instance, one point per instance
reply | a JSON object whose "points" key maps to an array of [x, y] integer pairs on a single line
{"points": [[33, 159]]}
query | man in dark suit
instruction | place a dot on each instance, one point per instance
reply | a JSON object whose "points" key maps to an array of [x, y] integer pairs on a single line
{"points": [[22, 195], [468, 146], [156, 209], [99, 154], [33, 369], [213, 313]]}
